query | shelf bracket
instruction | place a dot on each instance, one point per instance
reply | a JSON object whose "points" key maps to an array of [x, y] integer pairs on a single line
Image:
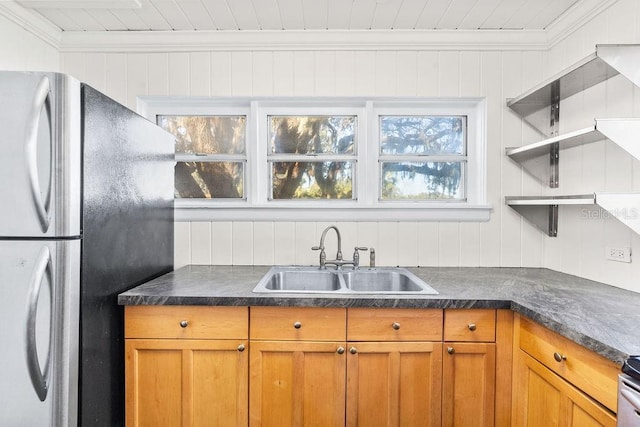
{"points": [[542, 212], [554, 125], [543, 217]]}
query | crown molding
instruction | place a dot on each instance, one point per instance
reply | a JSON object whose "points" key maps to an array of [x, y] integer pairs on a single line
{"points": [[81, 4], [190, 41], [579, 14], [398, 40], [32, 22]]}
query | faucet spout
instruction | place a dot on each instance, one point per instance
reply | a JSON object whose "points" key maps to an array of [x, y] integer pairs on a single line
{"points": [[323, 258], [324, 234]]}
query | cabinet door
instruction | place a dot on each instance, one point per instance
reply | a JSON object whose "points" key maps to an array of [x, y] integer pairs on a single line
{"points": [[468, 390], [541, 398], [296, 383], [186, 382], [394, 384]]}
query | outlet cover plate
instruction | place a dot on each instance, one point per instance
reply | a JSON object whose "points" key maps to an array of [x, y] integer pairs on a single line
{"points": [[620, 254]]}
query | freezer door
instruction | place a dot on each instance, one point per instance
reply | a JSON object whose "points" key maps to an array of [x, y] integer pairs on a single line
{"points": [[38, 330], [40, 151]]}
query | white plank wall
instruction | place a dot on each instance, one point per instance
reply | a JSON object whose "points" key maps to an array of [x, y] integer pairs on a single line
{"points": [[584, 233], [495, 75], [506, 240]]}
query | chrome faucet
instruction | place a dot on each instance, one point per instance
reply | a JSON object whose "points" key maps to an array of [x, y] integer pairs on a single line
{"points": [[338, 262], [323, 255]]}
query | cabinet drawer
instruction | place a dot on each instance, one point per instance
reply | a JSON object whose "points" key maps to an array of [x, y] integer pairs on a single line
{"points": [[470, 325], [588, 371], [187, 322], [394, 324], [298, 323]]}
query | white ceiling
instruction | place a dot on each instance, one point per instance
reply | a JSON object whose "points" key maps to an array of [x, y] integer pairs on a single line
{"points": [[255, 15]]}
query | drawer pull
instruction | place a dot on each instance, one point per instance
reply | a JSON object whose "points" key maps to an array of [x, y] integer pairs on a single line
{"points": [[353, 350], [297, 325], [241, 348], [559, 357], [340, 350], [472, 327], [184, 323], [451, 350], [396, 325]]}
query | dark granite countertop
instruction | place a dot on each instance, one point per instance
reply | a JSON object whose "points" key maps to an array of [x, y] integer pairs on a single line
{"points": [[603, 318]]}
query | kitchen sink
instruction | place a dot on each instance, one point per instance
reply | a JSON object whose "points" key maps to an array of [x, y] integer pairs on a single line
{"points": [[381, 280]]}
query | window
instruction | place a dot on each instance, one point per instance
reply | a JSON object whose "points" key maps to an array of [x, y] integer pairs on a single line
{"points": [[311, 157], [326, 159], [422, 157], [211, 155]]}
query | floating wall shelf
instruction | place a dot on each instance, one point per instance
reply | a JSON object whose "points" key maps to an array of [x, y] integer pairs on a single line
{"points": [[542, 159], [540, 107], [538, 104], [543, 211]]}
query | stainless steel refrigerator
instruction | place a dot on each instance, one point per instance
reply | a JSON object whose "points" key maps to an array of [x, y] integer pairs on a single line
{"points": [[86, 212]]}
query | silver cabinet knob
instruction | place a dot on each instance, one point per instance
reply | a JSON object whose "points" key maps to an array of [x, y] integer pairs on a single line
{"points": [[559, 357], [297, 325], [184, 323], [451, 350], [340, 350], [472, 327], [353, 350], [396, 325], [241, 348]]}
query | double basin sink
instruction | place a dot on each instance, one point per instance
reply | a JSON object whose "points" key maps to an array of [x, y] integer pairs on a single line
{"points": [[383, 280]]}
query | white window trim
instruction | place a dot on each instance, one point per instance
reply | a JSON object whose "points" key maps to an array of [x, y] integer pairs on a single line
{"points": [[366, 207]]}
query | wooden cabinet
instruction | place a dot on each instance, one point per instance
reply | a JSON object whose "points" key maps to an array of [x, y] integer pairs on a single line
{"points": [[545, 399], [469, 368], [297, 366], [291, 366], [394, 367], [469, 376], [297, 383], [559, 383], [186, 366]]}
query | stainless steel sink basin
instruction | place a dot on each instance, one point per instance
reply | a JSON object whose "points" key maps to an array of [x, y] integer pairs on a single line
{"points": [[300, 280], [383, 280]]}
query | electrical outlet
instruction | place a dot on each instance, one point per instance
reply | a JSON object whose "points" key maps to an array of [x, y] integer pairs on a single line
{"points": [[618, 254]]}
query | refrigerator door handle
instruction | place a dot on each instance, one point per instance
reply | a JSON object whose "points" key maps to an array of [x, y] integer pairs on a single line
{"points": [[41, 100], [38, 378]]}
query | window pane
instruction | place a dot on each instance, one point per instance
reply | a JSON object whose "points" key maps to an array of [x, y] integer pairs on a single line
{"points": [[312, 180], [207, 134], [422, 181], [312, 134], [425, 135], [210, 180]]}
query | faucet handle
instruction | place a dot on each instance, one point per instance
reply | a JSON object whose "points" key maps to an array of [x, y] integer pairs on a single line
{"points": [[323, 256], [356, 255]]}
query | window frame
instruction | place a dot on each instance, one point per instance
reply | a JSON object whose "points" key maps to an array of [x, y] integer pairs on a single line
{"points": [[212, 158], [309, 108], [474, 110], [367, 207]]}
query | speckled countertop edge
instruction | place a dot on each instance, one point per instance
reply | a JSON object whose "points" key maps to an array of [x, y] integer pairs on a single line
{"points": [[602, 318]]}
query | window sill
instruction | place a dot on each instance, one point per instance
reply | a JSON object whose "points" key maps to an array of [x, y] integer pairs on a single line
{"points": [[446, 212]]}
